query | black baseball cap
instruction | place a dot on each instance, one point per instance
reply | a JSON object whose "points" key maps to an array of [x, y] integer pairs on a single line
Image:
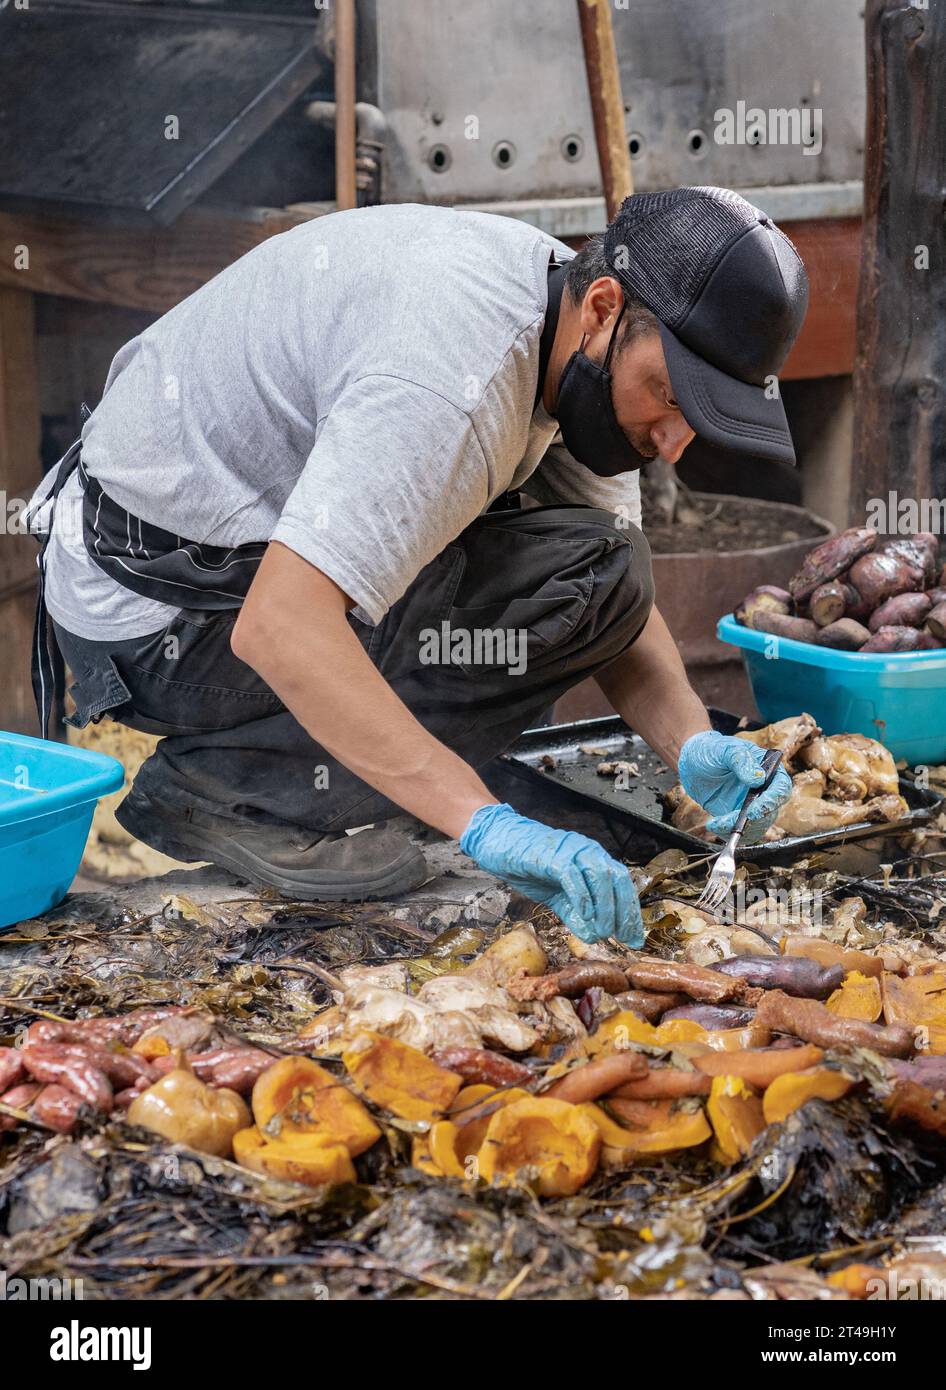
{"points": [[729, 292]]}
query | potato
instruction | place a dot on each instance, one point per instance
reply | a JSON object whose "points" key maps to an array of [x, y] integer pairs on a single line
{"points": [[906, 610], [894, 639], [780, 625], [844, 635], [766, 599], [829, 559]]}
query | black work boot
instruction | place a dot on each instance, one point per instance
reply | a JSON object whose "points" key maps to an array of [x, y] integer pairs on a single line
{"points": [[374, 863]]}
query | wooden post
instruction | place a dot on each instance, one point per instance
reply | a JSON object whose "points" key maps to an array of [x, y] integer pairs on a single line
{"points": [[19, 475], [346, 195], [900, 361], [607, 105]]}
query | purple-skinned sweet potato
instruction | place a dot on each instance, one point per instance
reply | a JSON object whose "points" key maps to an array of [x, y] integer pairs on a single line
{"points": [[796, 975], [936, 596], [767, 598], [882, 575], [894, 639], [846, 635], [906, 610], [711, 1016], [829, 559], [781, 625], [919, 552], [936, 621], [831, 601], [928, 641]]}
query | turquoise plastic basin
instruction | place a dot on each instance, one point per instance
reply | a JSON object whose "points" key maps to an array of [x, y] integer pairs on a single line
{"points": [[48, 793], [897, 697]]}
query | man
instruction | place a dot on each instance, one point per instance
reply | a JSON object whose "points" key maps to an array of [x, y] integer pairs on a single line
{"points": [[301, 561]]}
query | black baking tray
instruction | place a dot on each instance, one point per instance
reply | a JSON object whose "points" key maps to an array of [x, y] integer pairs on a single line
{"points": [[574, 778]]}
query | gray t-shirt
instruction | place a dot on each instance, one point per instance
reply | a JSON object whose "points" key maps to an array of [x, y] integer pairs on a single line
{"points": [[360, 388]]}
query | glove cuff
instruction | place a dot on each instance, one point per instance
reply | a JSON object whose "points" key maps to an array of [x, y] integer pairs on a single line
{"points": [[480, 821]]}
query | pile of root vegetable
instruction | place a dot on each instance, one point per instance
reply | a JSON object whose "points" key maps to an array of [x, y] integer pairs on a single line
{"points": [[743, 1109], [855, 592]]}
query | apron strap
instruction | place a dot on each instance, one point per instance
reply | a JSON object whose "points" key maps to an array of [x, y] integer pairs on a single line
{"points": [[47, 668]]}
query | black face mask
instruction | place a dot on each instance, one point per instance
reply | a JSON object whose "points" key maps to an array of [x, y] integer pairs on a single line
{"points": [[586, 417]]}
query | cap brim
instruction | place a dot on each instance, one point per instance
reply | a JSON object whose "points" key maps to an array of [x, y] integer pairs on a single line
{"points": [[727, 412]]}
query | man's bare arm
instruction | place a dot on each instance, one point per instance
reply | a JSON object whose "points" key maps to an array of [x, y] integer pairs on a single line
{"points": [[648, 687], [294, 632]]}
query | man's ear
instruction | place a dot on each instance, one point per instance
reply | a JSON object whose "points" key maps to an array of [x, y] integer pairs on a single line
{"points": [[601, 305]]}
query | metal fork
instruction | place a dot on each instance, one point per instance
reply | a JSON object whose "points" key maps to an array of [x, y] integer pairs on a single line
{"points": [[724, 870]]}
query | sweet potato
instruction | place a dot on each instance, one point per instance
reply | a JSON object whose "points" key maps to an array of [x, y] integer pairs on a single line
{"points": [[597, 1078], [802, 978], [795, 629], [766, 599], [479, 1064], [906, 610], [831, 601], [816, 948], [11, 1068], [648, 1005], [893, 639], [936, 596], [814, 1023], [919, 552], [712, 1015], [57, 1107], [936, 621], [883, 575], [846, 635], [664, 1083], [759, 1066], [927, 641], [829, 559]]}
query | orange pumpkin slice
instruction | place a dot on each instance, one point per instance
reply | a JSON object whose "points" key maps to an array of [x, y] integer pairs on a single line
{"points": [[297, 1096], [736, 1114], [858, 997], [790, 1092], [306, 1159], [546, 1142], [399, 1078]]}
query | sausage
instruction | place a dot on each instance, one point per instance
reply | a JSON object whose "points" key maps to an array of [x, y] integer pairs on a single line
{"points": [[57, 1107], [236, 1067], [814, 1023], [708, 986], [11, 1068], [480, 1064], [571, 981], [50, 1063], [663, 1083], [125, 1028], [796, 975], [646, 1004], [122, 1068], [712, 1016], [597, 1078], [20, 1098]]}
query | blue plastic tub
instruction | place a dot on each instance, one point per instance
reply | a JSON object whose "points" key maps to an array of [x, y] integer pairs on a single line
{"points": [[899, 698], [48, 793]]}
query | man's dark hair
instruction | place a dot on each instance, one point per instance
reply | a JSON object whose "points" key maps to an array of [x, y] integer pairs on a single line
{"points": [[590, 265]]}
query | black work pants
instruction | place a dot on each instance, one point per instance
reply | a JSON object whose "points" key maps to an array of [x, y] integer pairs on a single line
{"points": [[516, 611]]}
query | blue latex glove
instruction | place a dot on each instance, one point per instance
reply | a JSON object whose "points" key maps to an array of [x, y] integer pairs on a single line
{"points": [[592, 893], [717, 771]]}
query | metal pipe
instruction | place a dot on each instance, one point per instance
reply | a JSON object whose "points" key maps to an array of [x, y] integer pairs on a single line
{"points": [[607, 105], [345, 189]]}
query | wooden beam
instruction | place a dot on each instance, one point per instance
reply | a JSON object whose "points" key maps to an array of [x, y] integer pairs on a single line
{"points": [[899, 395], [19, 474], [607, 104], [151, 269]]}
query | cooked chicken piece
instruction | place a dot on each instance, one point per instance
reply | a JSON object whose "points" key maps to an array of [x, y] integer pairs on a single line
{"points": [[805, 812], [788, 735], [687, 814], [846, 770], [883, 779], [489, 1007]]}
